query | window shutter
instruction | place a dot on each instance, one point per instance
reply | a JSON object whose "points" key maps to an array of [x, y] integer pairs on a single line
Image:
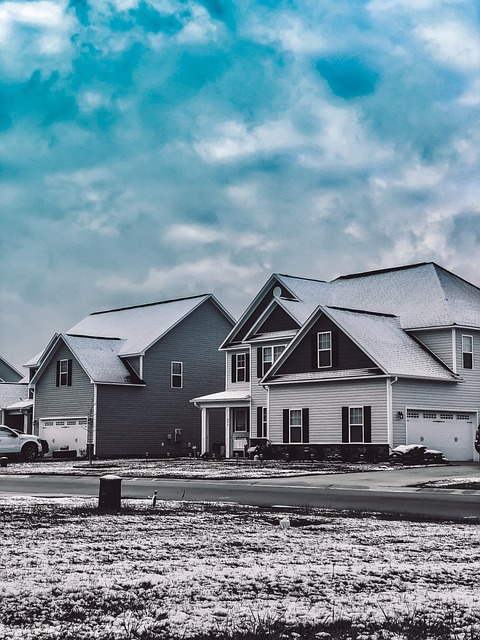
{"points": [[314, 348], [234, 367], [247, 367], [259, 422], [286, 425], [367, 424], [334, 348], [345, 425], [69, 373], [305, 426], [259, 362], [58, 373]]}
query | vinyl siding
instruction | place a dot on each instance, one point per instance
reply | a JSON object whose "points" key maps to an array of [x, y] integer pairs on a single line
{"points": [[7, 374], [135, 420], [278, 320], [325, 402], [59, 402], [439, 342], [230, 386], [349, 355]]}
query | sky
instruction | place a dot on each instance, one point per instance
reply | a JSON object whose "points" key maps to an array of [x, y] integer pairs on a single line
{"points": [[156, 149]]}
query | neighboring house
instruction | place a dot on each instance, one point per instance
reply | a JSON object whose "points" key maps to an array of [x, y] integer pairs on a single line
{"points": [[354, 366], [15, 407], [8, 373], [120, 381]]}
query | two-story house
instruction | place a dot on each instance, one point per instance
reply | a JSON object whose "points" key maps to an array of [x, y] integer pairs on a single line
{"points": [[357, 365], [120, 381]]}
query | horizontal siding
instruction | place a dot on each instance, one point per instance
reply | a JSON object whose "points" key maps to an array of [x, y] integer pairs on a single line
{"points": [[59, 402], [438, 342], [325, 402], [278, 320], [139, 419], [7, 374]]}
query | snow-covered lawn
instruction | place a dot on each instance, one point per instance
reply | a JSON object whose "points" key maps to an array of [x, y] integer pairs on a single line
{"points": [[183, 569]]}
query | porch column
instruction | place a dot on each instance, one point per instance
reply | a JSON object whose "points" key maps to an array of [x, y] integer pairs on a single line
{"points": [[228, 436], [205, 444]]}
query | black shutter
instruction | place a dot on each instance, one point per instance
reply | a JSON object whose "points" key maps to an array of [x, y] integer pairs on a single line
{"points": [[305, 426], [345, 425], [58, 373], [69, 373], [334, 348], [234, 367], [259, 422], [286, 425], [314, 340], [259, 362], [367, 424], [247, 367]]}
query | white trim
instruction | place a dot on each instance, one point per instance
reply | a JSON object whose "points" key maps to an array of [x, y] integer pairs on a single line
{"points": [[297, 426], [454, 351], [94, 419], [330, 350], [390, 383], [177, 375], [466, 335], [356, 424]]}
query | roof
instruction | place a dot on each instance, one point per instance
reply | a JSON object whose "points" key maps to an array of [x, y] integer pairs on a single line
{"points": [[13, 374], [224, 396], [21, 404], [99, 358], [12, 392], [141, 326]]}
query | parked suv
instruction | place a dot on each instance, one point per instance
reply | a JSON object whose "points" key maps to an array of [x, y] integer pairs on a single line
{"points": [[23, 444]]}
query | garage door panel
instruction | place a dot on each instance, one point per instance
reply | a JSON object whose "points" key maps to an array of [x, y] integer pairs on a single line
{"points": [[65, 434], [447, 431]]}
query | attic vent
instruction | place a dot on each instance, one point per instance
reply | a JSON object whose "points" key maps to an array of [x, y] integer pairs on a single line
{"points": [[277, 292]]}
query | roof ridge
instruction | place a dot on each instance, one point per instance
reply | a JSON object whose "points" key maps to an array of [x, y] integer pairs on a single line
{"points": [[149, 304], [386, 270], [286, 275], [365, 311], [79, 335]]}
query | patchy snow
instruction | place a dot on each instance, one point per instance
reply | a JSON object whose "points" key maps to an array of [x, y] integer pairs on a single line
{"points": [[71, 572]]}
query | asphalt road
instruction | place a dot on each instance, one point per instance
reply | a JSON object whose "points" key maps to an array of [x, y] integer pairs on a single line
{"points": [[316, 491]]}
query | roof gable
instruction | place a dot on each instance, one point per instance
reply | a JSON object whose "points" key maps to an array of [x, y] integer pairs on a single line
{"points": [[141, 326]]}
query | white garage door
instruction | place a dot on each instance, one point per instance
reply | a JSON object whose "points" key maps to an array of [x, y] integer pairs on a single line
{"points": [[451, 432], [65, 435]]}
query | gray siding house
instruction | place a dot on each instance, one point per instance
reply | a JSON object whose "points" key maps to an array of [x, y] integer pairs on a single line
{"points": [[355, 366], [119, 382]]}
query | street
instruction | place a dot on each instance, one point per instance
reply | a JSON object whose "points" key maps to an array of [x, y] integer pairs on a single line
{"points": [[294, 492]]}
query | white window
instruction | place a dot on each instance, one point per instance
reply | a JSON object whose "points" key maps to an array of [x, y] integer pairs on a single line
{"points": [[63, 373], [177, 375], [324, 343], [241, 367], [295, 425], [240, 420], [413, 414], [356, 424], [264, 422], [269, 356], [467, 352]]}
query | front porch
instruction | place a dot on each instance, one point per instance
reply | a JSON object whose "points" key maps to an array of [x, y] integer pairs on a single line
{"points": [[235, 406]]}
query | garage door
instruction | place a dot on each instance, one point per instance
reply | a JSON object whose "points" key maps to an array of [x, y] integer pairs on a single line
{"points": [[65, 436], [451, 432]]}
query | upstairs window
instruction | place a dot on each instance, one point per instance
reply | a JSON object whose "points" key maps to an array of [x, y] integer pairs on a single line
{"points": [[177, 375], [324, 346], [64, 373], [467, 352], [240, 367], [266, 356]]}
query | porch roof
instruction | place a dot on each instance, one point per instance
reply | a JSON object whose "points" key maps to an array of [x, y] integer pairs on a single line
{"points": [[22, 404], [224, 398]]}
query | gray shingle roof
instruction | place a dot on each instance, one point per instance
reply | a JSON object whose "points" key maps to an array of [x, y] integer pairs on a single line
{"points": [[99, 358], [138, 327], [12, 392]]}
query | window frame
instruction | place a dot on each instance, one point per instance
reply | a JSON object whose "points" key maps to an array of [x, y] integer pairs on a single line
{"points": [[236, 412], [357, 423], [176, 376], [298, 426], [241, 368], [64, 372], [271, 362], [467, 354], [325, 350]]}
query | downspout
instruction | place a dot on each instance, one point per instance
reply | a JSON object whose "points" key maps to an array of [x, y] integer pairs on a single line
{"points": [[390, 383]]}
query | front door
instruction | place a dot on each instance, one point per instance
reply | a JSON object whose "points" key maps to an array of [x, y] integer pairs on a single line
{"points": [[240, 431]]}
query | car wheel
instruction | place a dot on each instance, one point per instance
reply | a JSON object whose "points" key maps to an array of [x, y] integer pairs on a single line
{"points": [[29, 451]]}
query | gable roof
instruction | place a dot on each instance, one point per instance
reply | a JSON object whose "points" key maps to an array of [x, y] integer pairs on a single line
{"points": [[383, 340], [8, 373], [422, 295], [139, 327]]}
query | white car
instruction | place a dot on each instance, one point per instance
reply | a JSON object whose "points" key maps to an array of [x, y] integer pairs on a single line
{"points": [[23, 444]]}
